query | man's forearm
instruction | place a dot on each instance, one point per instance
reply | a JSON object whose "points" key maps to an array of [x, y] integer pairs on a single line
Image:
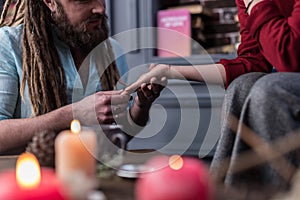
{"points": [[18, 132]]}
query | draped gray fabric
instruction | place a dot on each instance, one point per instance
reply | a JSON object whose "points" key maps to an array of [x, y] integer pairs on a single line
{"points": [[268, 107]]}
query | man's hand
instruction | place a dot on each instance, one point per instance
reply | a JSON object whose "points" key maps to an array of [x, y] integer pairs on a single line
{"points": [[147, 93], [101, 108], [148, 88]]}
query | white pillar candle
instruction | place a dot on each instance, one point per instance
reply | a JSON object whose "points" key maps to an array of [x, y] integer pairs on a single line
{"points": [[75, 152]]}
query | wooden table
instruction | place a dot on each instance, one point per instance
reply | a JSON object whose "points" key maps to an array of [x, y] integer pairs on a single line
{"points": [[7, 162], [117, 188]]}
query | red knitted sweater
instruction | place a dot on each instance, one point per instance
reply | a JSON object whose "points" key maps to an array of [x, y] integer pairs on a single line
{"points": [[270, 37]]}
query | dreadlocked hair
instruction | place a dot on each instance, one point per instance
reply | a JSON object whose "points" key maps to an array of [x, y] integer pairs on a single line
{"points": [[12, 13], [42, 69], [111, 75]]}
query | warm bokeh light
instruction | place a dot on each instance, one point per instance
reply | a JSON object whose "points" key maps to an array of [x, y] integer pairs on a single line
{"points": [[28, 172], [176, 162], [75, 126]]}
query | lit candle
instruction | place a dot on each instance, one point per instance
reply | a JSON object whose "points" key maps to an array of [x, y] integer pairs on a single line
{"points": [[29, 182], [174, 178], [75, 161]]}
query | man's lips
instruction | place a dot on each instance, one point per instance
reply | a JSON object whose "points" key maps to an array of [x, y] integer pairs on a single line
{"points": [[94, 21]]}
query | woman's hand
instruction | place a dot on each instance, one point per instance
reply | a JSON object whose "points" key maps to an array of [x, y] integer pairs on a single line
{"points": [[101, 108], [148, 88], [157, 75]]}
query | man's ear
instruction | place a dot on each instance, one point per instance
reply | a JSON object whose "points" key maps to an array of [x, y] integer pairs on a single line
{"points": [[51, 4]]}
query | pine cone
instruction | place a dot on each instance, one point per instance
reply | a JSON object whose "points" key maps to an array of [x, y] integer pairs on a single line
{"points": [[42, 146]]}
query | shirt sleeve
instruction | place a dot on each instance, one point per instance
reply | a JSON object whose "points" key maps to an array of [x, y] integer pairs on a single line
{"points": [[249, 57], [9, 84], [275, 24]]}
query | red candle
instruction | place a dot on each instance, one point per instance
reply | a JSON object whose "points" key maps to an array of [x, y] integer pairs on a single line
{"points": [[28, 182], [174, 178]]}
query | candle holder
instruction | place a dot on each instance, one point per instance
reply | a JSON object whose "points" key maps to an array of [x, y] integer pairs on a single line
{"points": [[115, 133]]}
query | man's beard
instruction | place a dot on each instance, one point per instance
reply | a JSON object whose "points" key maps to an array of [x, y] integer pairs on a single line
{"points": [[76, 36]]}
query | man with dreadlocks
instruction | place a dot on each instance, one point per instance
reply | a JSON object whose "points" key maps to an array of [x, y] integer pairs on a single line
{"points": [[49, 74]]}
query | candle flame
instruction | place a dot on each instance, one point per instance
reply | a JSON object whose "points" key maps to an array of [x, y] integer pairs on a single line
{"points": [[28, 172], [75, 126], [176, 162]]}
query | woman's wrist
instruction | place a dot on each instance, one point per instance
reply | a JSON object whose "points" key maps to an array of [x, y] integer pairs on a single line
{"points": [[170, 72]]}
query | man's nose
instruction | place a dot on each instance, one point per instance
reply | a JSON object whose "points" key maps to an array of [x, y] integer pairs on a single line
{"points": [[98, 7]]}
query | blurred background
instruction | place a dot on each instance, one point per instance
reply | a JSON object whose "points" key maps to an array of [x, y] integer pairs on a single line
{"points": [[186, 117]]}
